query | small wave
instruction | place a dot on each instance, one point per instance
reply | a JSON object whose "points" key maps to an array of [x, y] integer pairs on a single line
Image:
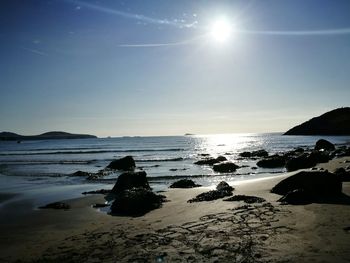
{"points": [[175, 177], [189, 176], [24, 162], [93, 151], [160, 160], [36, 175]]}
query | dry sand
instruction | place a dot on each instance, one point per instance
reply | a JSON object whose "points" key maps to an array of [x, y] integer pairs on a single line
{"points": [[215, 231]]}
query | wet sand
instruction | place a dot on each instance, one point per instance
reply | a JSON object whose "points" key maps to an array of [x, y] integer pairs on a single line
{"points": [[215, 231]]}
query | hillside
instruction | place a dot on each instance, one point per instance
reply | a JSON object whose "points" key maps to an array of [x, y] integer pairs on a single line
{"points": [[335, 122], [9, 136]]}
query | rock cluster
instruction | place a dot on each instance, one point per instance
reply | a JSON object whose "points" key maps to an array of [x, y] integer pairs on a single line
{"points": [[223, 189], [299, 158], [254, 154], [219, 164], [184, 183], [272, 162], [307, 160], [211, 161]]}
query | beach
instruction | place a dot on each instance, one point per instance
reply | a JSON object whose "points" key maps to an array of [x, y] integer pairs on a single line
{"points": [[174, 131], [213, 231]]}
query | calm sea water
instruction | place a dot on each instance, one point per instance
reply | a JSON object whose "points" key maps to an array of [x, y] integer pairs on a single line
{"points": [[41, 168]]}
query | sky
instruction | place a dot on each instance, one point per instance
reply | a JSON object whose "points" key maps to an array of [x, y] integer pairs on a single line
{"points": [[115, 68]]}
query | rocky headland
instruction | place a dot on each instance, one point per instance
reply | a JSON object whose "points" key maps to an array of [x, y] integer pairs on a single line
{"points": [[335, 122], [53, 135]]}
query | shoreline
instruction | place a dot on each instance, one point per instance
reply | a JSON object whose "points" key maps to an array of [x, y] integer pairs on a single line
{"points": [[184, 231]]}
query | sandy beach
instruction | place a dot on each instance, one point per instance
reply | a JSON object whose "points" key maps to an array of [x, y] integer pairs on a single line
{"points": [[174, 131], [214, 231]]}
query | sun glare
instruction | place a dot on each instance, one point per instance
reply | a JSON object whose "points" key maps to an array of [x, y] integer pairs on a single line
{"points": [[221, 30]]}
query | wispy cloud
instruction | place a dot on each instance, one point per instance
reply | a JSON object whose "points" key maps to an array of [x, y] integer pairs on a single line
{"points": [[35, 51], [180, 43], [325, 32], [139, 17], [152, 45], [321, 32], [181, 23]]}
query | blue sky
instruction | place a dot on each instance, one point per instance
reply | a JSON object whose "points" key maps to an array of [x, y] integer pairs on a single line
{"points": [[151, 68]]}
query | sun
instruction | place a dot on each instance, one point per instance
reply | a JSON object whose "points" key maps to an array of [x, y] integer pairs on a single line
{"points": [[221, 30]]}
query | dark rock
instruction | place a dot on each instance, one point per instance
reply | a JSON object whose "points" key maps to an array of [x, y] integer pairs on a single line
{"points": [[100, 205], [101, 191], [319, 157], [324, 145], [184, 183], [136, 202], [291, 154], [245, 154], [130, 180], [260, 153], [340, 170], [211, 161], [225, 167], [223, 186], [272, 162], [56, 205], [126, 163], [176, 169], [101, 173], [221, 158], [296, 197], [254, 168], [246, 198], [210, 196], [342, 174], [316, 184], [299, 150], [341, 152], [306, 160], [204, 154], [300, 162], [335, 122], [222, 190], [207, 161], [81, 173]]}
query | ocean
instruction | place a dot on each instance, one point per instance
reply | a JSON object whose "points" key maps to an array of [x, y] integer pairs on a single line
{"points": [[39, 170]]}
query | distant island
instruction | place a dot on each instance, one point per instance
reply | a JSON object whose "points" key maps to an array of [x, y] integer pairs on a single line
{"points": [[335, 122], [10, 136]]}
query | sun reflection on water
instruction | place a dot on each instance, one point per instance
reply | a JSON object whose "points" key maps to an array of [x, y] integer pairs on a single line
{"points": [[226, 143]]}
